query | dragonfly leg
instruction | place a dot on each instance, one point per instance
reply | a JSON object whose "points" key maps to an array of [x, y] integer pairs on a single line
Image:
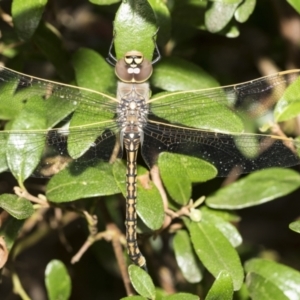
{"points": [[111, 59]]}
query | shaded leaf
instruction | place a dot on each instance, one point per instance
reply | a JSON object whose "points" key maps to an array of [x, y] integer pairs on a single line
{"points": [[50, 43], [10, 230], [26, 16]]}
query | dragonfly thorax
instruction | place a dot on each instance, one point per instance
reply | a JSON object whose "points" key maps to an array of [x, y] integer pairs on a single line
{"points": [[132, 110], [133, 67]]}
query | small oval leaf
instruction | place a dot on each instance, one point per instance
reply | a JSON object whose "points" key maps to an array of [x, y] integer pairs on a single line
{"points": [[57, 280], [141, 282]]}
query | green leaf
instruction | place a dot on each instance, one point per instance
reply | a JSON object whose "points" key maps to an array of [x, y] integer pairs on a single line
{"points": [[286, 279], [179, 171], [87, 64], [215, 251], [19, 208], [162, 15], [8, 111], [181, 296], [57, 280], [175, 74], [201, 110], [141, 282], [185, 257], [93, 71], [227, 229], [24, 150], [104, 2], [50, 43], [295, 4], [222, 289], [244, 11], [258, 187], [138, 18], [10, 230], [72, 183], [288, 105], [26, 16], [219, 14], [261, 288], [149, 203], [295, 226], [134, 298]]}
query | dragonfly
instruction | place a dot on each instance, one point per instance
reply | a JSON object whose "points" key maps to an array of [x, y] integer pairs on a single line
{"points": [[219, 125]]}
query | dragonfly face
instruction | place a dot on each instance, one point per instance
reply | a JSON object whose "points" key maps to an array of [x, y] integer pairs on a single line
{"points": [[133, 68]]}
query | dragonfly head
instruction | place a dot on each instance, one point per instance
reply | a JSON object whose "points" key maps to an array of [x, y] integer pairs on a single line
{"points": [[133, 67]]}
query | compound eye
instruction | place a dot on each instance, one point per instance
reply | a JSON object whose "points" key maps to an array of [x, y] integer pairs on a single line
{"points": [[138, 59], [129, 60]]}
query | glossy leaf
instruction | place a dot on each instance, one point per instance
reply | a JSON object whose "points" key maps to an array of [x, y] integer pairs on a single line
{"points": [[72, 184], [23, 155], [244, 11], [215, 251], [149, 203], [175, 74], [57, 280], [26, 16], [179, 187], [261, 288], [185, 257], [222, 289], [286, 279], [227, 229], [19, 208], [219, 14], [266, 185], [288, 106], [141, 282], [295, 226], [138, 18]]}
